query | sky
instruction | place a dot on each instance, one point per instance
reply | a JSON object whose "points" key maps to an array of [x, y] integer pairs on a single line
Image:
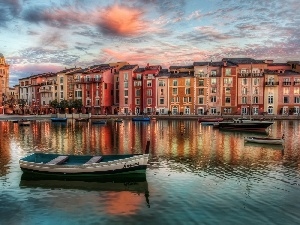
{"points": [[51, 35]]}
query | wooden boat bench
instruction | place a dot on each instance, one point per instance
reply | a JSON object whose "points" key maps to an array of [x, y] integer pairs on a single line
{"points": [[94, 159], [58, 160]]}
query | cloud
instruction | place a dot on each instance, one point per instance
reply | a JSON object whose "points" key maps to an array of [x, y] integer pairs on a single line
{"points": [[120, 20], [14, 7]]}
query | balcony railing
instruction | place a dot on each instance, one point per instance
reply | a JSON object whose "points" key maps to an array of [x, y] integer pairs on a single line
{"points": [[286, 83], [250, 74], [271, 83], [87, 80], [296, 83]]}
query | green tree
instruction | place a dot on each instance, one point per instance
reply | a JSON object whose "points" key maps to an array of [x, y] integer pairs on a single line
{"points": [[76, 104], [54, 104], [63, 105]]}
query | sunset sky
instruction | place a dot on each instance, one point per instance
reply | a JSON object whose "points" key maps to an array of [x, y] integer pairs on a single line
{"points": [[47, 36]]}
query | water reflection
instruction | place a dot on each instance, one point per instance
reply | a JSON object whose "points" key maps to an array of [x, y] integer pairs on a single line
{"points": [[170, 140]]}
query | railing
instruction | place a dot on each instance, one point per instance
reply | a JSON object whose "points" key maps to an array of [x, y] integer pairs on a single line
{"points": [[296, 83], [271, 83], [286, 83]]}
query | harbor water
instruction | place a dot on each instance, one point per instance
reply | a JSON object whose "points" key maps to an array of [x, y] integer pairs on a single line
{"points": [[196, 175]]}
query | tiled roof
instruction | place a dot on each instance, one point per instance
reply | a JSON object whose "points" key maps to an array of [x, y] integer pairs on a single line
{"points": [[128, 67], [243, 61], [139, 70], [181, 67], [163, 72]]}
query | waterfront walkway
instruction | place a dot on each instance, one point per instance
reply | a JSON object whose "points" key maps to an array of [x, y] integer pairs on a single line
{"points": [[129, 117]]}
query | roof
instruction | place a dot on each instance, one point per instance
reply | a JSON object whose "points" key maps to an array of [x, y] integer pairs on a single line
{"points": [[139, 70], [237, 61], [185, 74], [163, 72], [181, 67], [128, 67], [208, 63]]}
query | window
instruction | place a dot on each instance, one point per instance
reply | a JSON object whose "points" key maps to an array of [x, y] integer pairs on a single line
{"points": [[228, 81], [256, 81], [201, 82], [244, 81], [213, 73], [201, 91], [255, 91], [227, 90], [125, 92], [227, 110], [87, 94], [174, 91], [175, 99], [161, 83], [285, 99], [187, 82], [213, 99], [161, 91], [255, 100], [200, 100], [149, 101], [175, 83], [227, 100], [213, 110], [138, 92], [213, 90], [187, 99], [270, 99], [161, 101], [244, 100], [126, 101], [126, 84], [187, 91], [125, 76], [296, 91], [213, 80], [149, 83], [137, 101], [297, 99], [61, 80], [244, 91], [286, 91], [149, 92], [228, 72]]}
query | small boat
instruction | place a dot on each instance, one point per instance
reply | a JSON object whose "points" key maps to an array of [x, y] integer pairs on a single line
{"points": [[99, 122], [24, 122], [82, 119], [243, 124], [141, 118], [81, 166], [265, 140], [119, 120], [59, 119]]}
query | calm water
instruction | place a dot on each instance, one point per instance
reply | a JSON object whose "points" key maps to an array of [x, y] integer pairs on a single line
{"points": [[197, 175]]}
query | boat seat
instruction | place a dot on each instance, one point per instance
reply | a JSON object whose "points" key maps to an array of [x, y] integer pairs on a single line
{"points": [[94, 159], [58, 160]]}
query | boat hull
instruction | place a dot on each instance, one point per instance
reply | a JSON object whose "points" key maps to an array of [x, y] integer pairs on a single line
{"points": [[210, 121], [271, 141], [142, 119], [75, 166], [59, 119]]}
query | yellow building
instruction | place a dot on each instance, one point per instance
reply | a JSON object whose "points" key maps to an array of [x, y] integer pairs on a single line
{"points": [[4, 80]]}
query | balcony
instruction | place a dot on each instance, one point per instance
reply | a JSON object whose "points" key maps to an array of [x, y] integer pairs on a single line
{"points": [[271, 83], [88, 80], [45, 90], [296, 83], [250, 74], [286, 83]]}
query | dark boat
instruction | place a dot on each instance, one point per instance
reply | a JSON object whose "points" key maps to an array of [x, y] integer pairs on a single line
{"points": [[265, 140], [59, 119], [24, 122], [243, 124], [141, 118], [82, 119], [99, 122]]}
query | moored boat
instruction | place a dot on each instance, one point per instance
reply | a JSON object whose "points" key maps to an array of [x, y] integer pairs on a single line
{"points": [[82, 119], [99, 122], [24, 122], [119, 120], [243, 124], [57, 165], [56, 119], [265, 140], [141, 118]]}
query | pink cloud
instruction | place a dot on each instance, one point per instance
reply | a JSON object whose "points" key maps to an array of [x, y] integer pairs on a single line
{"points": [[122, 21]]}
